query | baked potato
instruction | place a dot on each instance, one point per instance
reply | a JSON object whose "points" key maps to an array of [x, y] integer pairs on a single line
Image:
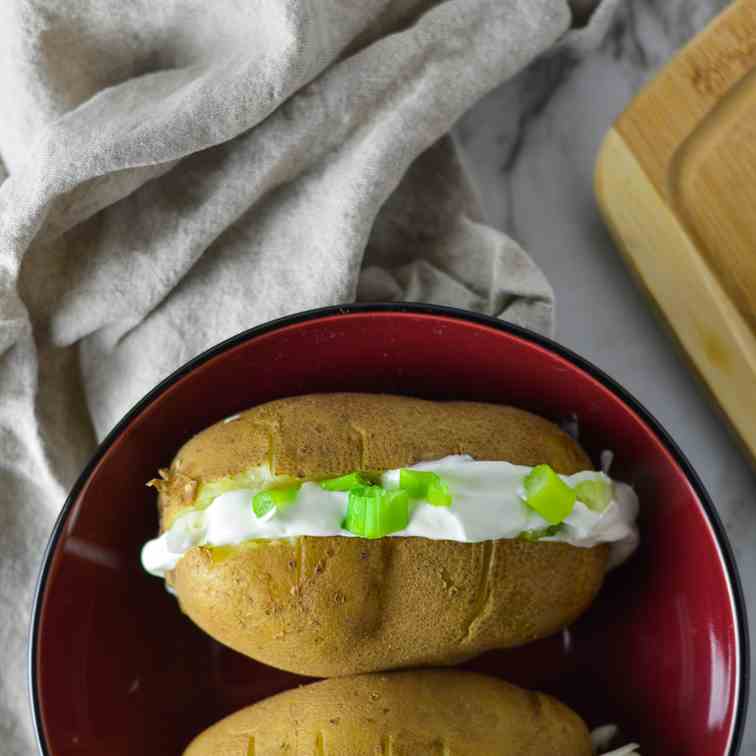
{"points": [[330, 605], [418, 713]]}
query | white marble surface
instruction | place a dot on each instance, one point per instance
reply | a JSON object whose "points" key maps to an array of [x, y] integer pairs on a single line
{"points": [[535, 176]]}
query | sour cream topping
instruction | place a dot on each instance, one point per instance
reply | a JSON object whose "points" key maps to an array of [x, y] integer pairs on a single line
{"points": [[488, 503]]}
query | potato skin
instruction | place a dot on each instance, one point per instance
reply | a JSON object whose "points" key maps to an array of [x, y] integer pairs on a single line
{"points": [[335, 606], [420, 713]]}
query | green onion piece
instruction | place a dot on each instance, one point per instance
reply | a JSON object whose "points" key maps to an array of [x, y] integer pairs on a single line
{"points": [[374, 513], [345, 482], [439, 494], [359, 499], [536, 535], [280, 498], [420, 484], [548, 494], [393, 514], [416, 482], [595, 494]]}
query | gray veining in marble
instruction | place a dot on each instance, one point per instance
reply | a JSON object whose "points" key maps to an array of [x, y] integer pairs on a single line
{"points": [[536, 175]]}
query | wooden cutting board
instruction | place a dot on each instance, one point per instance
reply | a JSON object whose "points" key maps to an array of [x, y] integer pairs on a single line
{"points": [[676, 183]]}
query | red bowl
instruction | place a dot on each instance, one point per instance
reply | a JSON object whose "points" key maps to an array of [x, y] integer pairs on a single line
{"points": [[115, 668]]}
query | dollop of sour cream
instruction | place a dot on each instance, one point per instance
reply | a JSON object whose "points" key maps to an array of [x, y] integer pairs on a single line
{"points": [[488, 503]]}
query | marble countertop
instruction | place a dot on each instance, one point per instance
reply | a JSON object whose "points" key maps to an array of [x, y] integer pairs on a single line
{"points": [[535, 175]]}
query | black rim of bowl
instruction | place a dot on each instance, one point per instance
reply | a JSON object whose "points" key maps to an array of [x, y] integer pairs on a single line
{"points": [[725, 550]]}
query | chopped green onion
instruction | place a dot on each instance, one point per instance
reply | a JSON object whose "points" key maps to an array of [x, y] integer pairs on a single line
{"points": [[420, 484], [536, 535], [393, 514], [345, 482], [548, 494], [374, 513], [360, 499], [416, 482], [595, 494], [438, 493], [271, 498]]}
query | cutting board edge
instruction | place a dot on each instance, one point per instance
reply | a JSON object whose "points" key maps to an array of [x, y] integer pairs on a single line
{"points": [[724, 360]]}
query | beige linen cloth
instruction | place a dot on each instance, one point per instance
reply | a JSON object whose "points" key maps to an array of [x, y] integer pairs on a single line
{"points": [[176, 171]]}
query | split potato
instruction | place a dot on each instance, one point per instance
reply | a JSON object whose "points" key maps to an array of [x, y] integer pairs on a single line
{"points": [[330, 606]]}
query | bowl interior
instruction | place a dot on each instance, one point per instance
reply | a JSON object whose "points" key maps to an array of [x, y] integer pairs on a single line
{"points": [[116, 668]]}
